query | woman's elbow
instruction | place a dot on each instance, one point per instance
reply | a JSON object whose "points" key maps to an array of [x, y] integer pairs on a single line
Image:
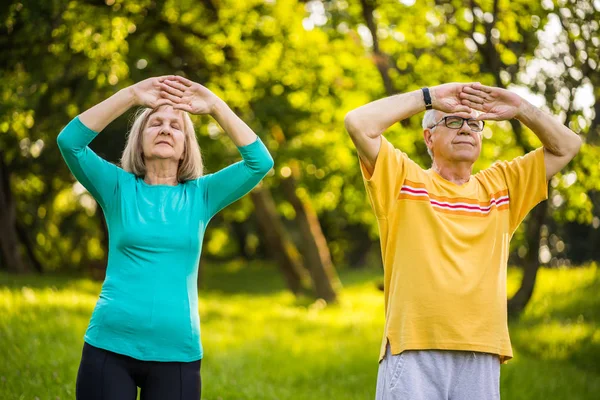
{"points": [[267, 165], [62, 141]]}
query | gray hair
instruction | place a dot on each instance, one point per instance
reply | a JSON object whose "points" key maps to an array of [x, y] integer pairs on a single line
{"points": [[429, 119]]}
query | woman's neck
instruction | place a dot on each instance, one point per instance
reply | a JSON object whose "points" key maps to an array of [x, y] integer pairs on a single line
{"points": [[161, 172]]}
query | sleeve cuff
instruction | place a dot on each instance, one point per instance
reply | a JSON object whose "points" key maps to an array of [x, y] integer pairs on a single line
{"points": [[382, 157]]}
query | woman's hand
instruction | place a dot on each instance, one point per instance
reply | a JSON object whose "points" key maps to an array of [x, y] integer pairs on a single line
{"points": [[149, 92], [189, 96]]}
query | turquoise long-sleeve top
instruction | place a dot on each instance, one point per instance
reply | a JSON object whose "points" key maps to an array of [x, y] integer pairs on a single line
{"points": [[148, 305]]}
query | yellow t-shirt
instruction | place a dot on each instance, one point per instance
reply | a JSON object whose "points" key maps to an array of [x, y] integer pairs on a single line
{"points": [[445, 249]]}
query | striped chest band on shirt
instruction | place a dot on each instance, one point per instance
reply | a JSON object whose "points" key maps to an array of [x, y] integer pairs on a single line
{"points": [[458, 205]]}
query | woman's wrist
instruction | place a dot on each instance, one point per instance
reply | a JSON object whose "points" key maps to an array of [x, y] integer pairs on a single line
{"points": [[129, 95], [218, 109]]}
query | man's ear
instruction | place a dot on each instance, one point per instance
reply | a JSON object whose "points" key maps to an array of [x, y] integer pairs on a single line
{"points": [[427, 134]]}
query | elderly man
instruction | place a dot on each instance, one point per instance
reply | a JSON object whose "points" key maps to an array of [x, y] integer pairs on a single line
{"points": [[445, 235]]}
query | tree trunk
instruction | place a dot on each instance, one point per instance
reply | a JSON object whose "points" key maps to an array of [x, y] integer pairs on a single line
{"points": [[278, 243], [316, 253], [531, 265], [35, 261], [9, 244], [240, 233]]}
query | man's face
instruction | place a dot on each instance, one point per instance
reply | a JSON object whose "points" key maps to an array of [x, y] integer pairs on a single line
{"points": [[456, 142]]}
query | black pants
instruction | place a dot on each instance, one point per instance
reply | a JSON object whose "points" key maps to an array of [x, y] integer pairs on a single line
{"points": [[105, 375]]}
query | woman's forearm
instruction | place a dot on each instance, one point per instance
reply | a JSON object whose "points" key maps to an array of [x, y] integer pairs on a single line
{"points": [[238, 131], [99, 116]]}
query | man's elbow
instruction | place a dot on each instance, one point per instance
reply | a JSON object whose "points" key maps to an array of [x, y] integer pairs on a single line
{"points": [[351, 123], [567, 148], [574, 146]]}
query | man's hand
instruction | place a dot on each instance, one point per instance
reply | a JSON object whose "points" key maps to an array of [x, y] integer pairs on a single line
{"points": [[495, 104], [447, 98]]}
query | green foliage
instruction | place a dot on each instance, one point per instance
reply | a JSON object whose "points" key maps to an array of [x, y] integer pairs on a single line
{"points": [[291, 69]]}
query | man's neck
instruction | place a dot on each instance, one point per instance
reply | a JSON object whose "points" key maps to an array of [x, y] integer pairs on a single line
{"points": [[458, 173]]}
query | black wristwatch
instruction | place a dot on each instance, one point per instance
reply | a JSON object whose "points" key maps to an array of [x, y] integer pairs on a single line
{"points": [[427, 98]]}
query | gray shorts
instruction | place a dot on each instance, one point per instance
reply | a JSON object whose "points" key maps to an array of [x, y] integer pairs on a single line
{"points": [[438, 375]]}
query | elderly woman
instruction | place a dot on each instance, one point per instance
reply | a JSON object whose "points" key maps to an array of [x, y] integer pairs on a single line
{"points": [[145, 329]]}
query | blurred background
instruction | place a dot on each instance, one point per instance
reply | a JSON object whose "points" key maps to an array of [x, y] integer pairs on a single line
{"points": [[290, 275]]}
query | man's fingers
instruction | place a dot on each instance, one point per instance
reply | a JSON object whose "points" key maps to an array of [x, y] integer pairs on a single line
{"points": [[485, 116], [472, 98], [483, 88], [473, 105], [463, 112], [477, 92]]}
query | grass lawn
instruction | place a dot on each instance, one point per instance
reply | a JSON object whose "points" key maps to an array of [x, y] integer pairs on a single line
{"points": [[262, 343]]}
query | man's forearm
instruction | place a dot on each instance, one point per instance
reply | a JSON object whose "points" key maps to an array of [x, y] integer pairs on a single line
{"points": [[556, 138], [374, 118]]}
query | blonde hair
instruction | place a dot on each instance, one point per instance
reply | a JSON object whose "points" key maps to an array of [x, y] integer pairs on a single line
{"points": [[132, 160]]}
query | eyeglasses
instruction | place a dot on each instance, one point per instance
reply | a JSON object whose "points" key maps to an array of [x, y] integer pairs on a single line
{"points": [[455, 122]]}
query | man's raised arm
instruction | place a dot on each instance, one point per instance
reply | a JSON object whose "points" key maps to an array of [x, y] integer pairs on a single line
{"points": [[366, 124], [560, 143]]}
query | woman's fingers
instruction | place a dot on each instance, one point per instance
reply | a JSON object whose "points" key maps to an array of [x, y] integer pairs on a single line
{"points": [[165, 77], [170, 89], [162, 102], [183, 107], [183, 80], [169, 96], [175, 84]]}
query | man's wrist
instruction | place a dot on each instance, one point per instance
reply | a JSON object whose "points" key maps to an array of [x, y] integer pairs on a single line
{"points": [[524, 110], [427, 98]]}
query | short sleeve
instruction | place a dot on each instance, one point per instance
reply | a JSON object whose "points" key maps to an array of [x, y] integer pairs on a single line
{"points": [[383, 187], [526, 182]]}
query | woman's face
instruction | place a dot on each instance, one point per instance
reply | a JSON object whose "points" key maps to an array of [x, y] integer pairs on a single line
{"points": [[163, 136]]}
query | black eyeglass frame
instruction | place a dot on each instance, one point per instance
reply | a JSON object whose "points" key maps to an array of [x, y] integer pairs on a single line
{"points": [[445, 120]]}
